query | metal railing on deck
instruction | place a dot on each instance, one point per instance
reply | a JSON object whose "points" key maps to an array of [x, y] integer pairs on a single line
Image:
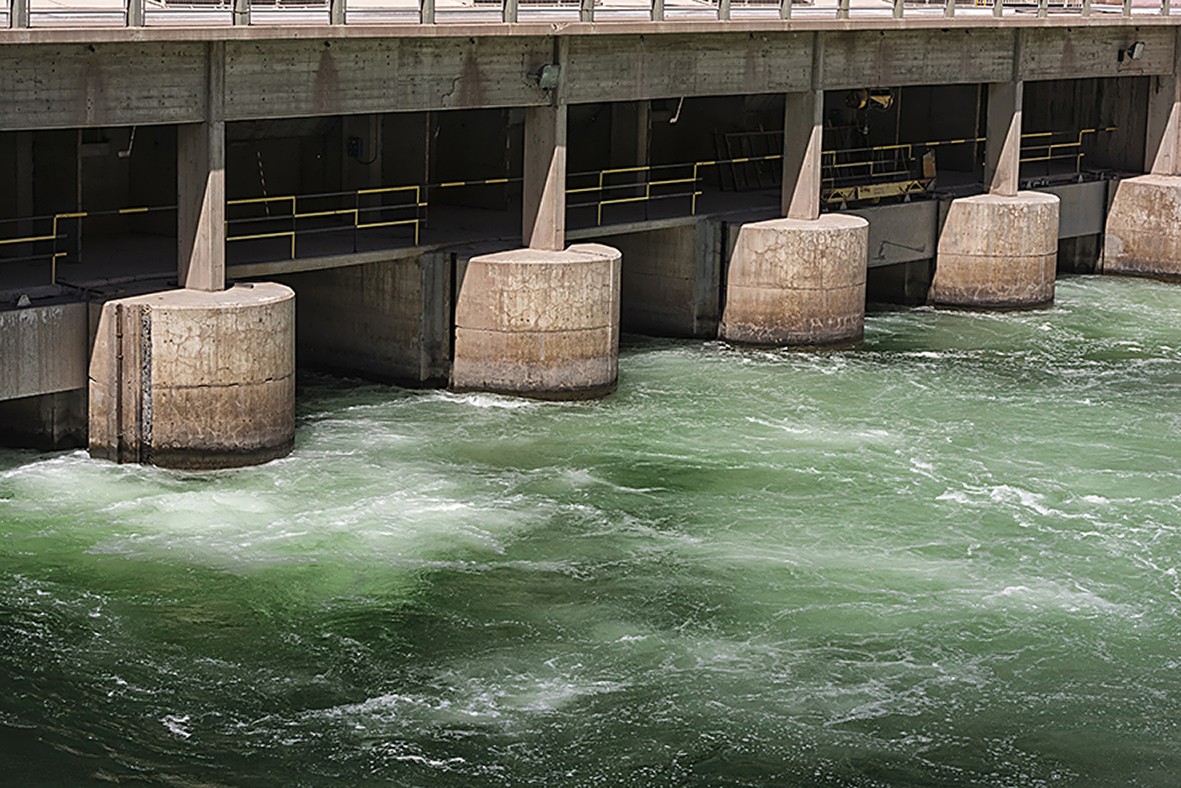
{"points": [[282, 217], [851, 175], [137, 13], [292, 217], [53, 231]]}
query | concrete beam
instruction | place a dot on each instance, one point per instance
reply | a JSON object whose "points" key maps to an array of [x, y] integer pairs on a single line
{"points": [[544, 190], [634, 68], [1002, 147], [1162, 151], [201, 188], [79, 85], [861, 58], [1091, 51], [283, 79]]}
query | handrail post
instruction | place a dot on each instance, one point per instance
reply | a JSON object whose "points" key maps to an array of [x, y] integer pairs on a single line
{"points": [[336, 12], [586, 10], [508, 11], [899, 8], [426, 12], [241, 12], [785, 9], [998, 8], [135, 13], [657, 10], [1086, 7], [949, 8], [18, 14], [723, 9], [1043, 8], [843, 9], [1164, 7], [1127, 11]]}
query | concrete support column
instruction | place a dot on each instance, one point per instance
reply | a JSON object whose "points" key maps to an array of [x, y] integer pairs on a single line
{"points": [[1143, 232], [799, 280], [999, 250], [195, 380], [1002, 145], [18, 14], [544, 209], [201, 188], [803, 136], [539, 323]]}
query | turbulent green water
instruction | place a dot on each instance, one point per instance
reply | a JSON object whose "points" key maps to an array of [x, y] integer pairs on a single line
{"points": [[948, 557]]}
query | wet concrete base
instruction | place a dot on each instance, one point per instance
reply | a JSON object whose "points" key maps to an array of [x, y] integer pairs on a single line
{"points": [[195, 380], [997, 252], [795, 282], [539, 323], [1143, 233]]}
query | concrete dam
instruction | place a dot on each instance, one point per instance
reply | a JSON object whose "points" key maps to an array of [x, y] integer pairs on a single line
{"points": [[487, 202]]}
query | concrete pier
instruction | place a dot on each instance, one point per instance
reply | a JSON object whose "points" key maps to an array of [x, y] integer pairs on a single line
{"points": [[539, 323], [998, 252], [195, 380], [1143, 234], [1144, 227], [798, 282]]}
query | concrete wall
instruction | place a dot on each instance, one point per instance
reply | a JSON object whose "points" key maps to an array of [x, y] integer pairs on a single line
{"points": [[49, 422], [670, 278], [387, 321], [43, 349], [1082, 208], [901, 233]]}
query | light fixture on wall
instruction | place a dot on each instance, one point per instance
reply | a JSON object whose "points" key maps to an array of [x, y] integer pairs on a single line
{"points": [[1135, 51]]}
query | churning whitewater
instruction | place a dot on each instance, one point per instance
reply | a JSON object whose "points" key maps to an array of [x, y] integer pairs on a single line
{"points": [[946, 557]]}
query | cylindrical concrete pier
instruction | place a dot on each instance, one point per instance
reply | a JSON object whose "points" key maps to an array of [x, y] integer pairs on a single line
{"points": [[195, 380], [1143, 233], [998, 252], [797, 282], [539, 324]]}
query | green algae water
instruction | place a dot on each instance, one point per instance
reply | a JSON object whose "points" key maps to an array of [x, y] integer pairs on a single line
{"points": [[946, 558]]}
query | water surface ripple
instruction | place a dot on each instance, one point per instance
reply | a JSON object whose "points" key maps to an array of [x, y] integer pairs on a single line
{"points": [[946, 558]]}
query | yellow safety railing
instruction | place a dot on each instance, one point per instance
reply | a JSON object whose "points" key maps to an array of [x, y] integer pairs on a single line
{"points": [[873, 173], [1052, 151], [294, 211], [55, 232], [355, 212], [648, 185]]}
